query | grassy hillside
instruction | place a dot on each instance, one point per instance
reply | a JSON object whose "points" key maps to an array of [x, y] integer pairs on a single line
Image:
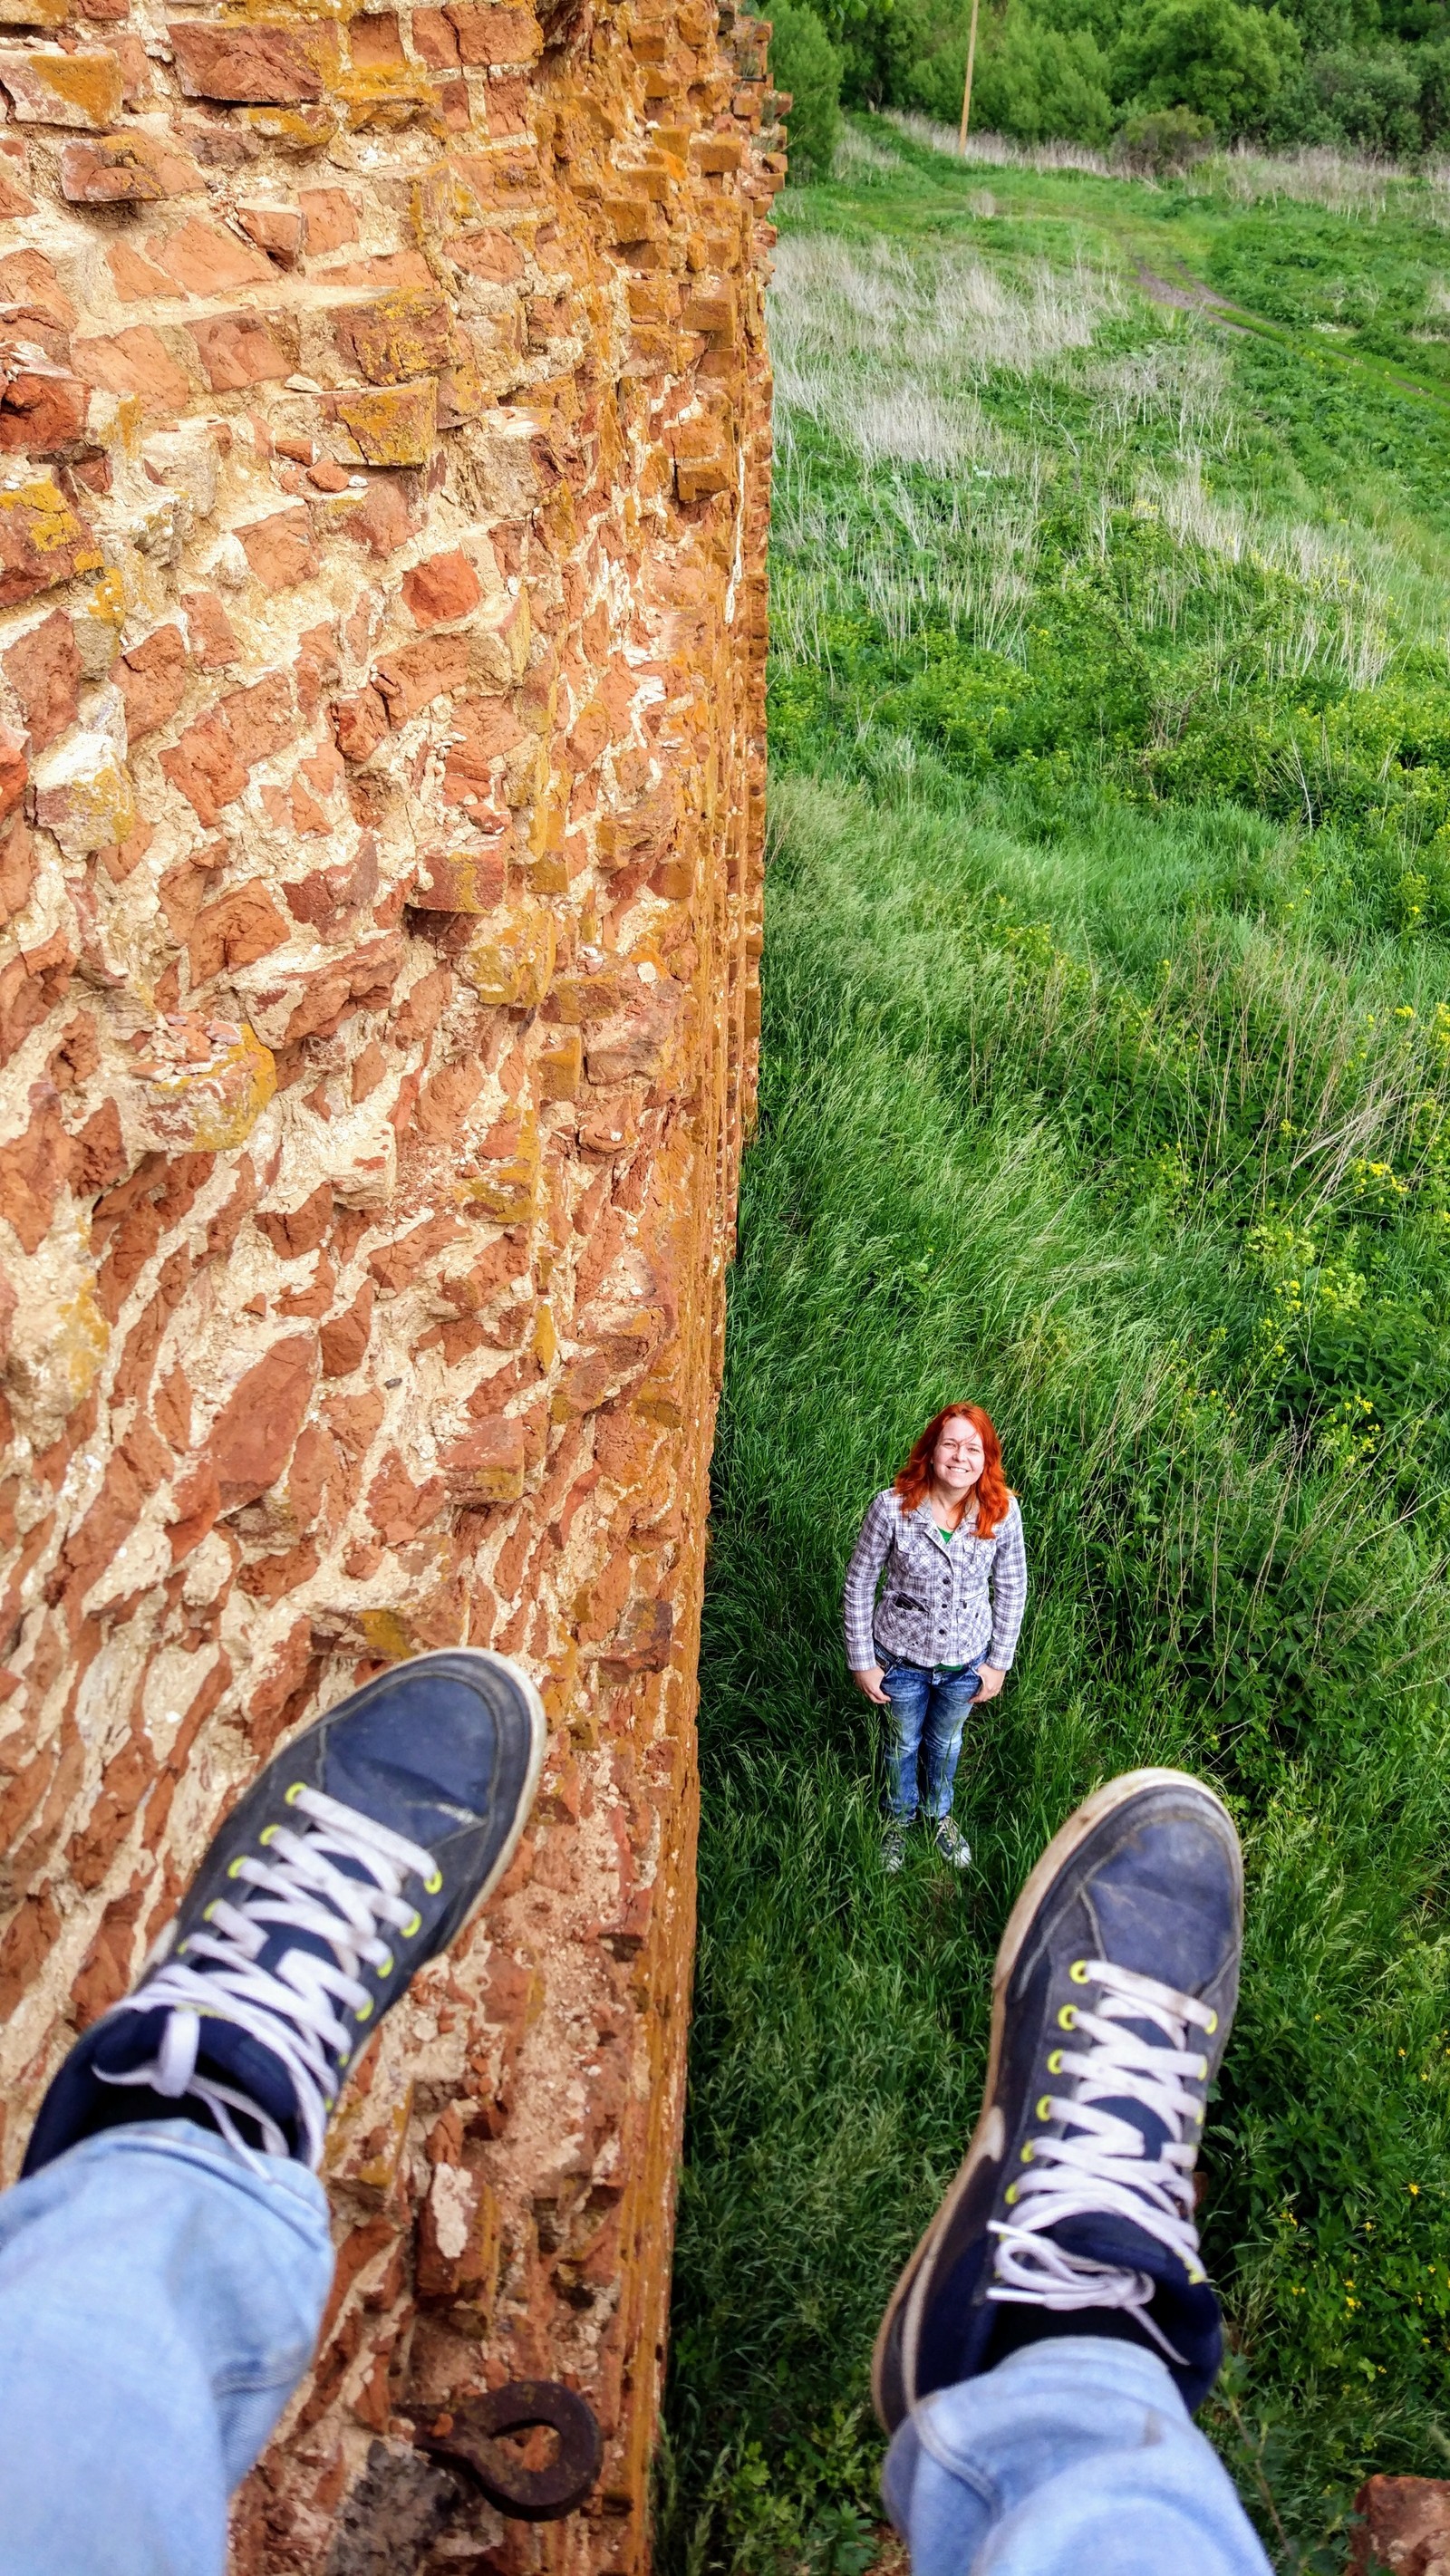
{"points": [[1106, 1079]]}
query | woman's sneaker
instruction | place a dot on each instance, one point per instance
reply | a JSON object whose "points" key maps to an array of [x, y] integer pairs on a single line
{"points": [[952, 1843], [361, 1852], [1113, 1997], [893, 1846]]}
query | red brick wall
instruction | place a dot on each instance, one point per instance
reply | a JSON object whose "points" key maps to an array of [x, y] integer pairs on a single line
{"points": [[383, 479]]}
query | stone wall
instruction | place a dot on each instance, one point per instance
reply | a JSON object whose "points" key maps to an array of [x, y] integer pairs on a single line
{"points": [[383, 482]]}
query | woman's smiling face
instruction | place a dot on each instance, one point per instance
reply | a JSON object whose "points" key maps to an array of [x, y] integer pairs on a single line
{"points": [[958, 1458]]}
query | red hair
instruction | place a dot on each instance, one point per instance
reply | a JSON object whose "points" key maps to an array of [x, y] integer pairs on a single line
{"points": [[993, 1491]]}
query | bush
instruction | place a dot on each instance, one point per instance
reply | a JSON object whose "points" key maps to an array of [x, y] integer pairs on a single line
{"points": [[881, 41], [1369, 101], [804, 62], [1041, 82], [1165, 138], [922, 51], [1223, 62], [1432, 62], [934, 83], [931, 76]]}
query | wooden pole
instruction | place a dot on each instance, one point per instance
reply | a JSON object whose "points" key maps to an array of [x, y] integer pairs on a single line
{"points": [[967, 92]]}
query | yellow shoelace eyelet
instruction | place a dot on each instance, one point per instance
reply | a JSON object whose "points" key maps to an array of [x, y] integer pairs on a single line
{"points": [[1054, 2063], [364, 2010], [1212, 2024], [267, 1833], [413, 1924], [1067, 2018], [384, 1967], [208, 1911], [1044, 2107], [235, 1870], [295, 1792], [432, 1885], [1079, 1972], [1010, 2194], [1027, 2153]]}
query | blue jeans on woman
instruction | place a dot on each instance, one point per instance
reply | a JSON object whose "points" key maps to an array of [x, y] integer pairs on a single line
{"points": [[160, 2295], [929, 1707]]}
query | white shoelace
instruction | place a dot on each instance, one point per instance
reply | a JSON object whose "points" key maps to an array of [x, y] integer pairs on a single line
{"points": [[1103, 2165], [290, 2009]]}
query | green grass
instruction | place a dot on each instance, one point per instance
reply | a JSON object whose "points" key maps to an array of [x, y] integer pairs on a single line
{"points": [[1106, 1079]]}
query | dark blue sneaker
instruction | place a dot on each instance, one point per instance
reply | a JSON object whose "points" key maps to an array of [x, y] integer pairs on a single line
{"points": [[1112, 2001], [361, 1852]]}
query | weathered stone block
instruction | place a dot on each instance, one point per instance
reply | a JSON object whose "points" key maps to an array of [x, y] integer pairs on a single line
{"points": [[275, 229], [397, 425], [271, 64], [43, 407], [1402, 2524], [204, 1083], [487, 1467], [444, 588], [488, 35], [137, 362], [512, 962], [463, 880], [240, 349], [152, 681], [400, 336], [42, 542], [559, 1070], [82, 793], [49, 87], [130, 169], [44, 669]]}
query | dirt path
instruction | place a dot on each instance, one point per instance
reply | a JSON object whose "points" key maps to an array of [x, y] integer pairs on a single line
{"points": [[1186, 293]]}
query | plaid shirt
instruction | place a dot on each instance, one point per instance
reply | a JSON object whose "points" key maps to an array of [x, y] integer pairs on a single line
{"points": [[934, 1606]]}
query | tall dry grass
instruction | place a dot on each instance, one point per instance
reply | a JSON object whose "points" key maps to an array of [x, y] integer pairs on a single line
{"points": [[996, 152]]}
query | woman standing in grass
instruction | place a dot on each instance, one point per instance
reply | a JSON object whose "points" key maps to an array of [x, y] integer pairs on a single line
{"points": [[948, 1538]]}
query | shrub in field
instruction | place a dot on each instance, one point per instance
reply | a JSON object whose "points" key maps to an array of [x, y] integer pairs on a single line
{"points": [[1035, 81], [927, 65], [1213, 57], [804, 62], [1163, 139], [1369, 99]]}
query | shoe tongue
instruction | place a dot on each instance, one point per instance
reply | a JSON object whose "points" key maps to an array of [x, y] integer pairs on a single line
{"points": [[131, 2041], [1101, 2236], [231, 2056]]}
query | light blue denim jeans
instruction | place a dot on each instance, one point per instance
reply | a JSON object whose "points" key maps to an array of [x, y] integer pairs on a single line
{"points": [[929, 1710], [1074, 2457], [160, 2296]]}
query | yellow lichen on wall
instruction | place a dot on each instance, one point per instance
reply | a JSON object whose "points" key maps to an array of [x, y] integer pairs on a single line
{"points": [[384, 458]]}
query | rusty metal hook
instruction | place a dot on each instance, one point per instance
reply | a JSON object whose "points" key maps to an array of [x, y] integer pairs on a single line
{"points": [[528, 2495]]}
